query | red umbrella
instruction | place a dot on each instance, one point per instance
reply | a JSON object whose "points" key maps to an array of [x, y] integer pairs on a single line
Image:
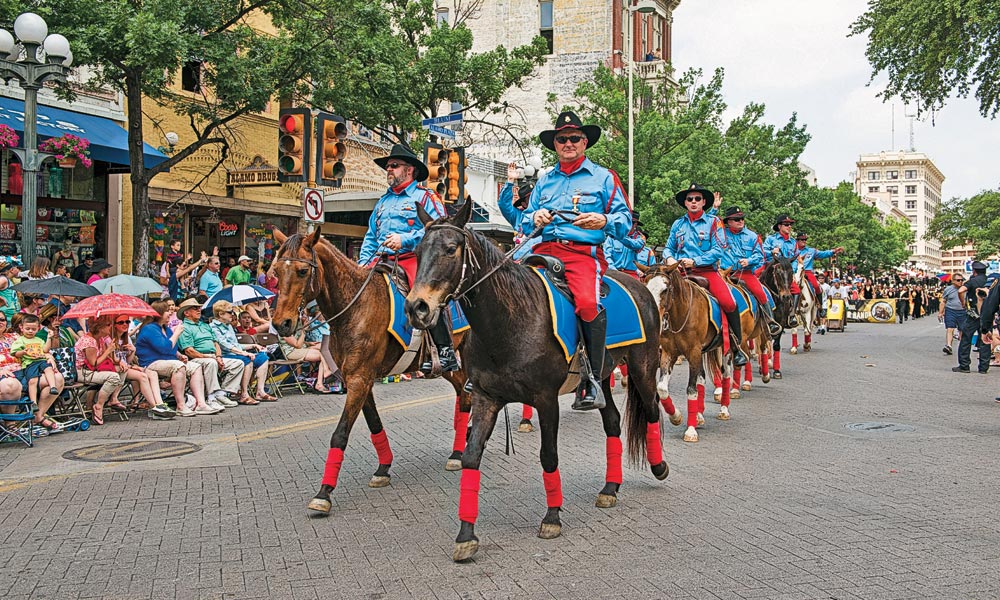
{"points": [[110, 304]]}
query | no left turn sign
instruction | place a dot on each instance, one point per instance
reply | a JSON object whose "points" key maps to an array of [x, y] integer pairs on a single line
{"points": [[314, 202]]}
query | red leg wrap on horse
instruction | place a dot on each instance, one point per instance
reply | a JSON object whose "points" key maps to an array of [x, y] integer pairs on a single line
{"points": [[624, 369], [737, 376], [668, 405], [795, 340], [526, 411], [727, 388], [777, 360], [613, 446], [809, 338], [612, 380], [553, 489], [654, 449], [692, 412], [716, 379], [468, 497], [334, 460], [748, 375], [461, 431], [381, 443]]}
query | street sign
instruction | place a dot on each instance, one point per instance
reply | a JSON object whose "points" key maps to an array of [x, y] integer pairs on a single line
{"points": [[455, 118], [441, 131], [314, 205]]}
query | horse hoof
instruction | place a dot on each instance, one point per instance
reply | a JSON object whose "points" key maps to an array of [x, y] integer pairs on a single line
{"points": [[717, 395], [453, 464], [793, 350], [807, 348], [723, 414], [691, 435], [549, 531], [777, 375], [661, 470], [525, 427], [701, 420], [603, 501], [380, 481], [766, 378], [465, 550], [735, 394], [320, 505], [676, 418], [746, 387]]}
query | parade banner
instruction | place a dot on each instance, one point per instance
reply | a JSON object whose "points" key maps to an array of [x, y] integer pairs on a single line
{"points": [[876, 310]]}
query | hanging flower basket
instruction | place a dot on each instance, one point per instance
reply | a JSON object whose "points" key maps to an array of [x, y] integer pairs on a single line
{"points": [[68, 150], [8, 137]]}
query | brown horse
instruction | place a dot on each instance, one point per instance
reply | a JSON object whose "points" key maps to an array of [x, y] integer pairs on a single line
{"points": [[684, 315], [755, 336], [777, 277], [310, 268]]}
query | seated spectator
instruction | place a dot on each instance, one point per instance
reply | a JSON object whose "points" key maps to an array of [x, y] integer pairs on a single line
{"points": [[295, 347], [244, 324], [260, 314], [9, 302], [267, 280], [82, 271], [318, 332], [147, 380], [95, 364], [13, 386], [156, 350], [197, 341], [101, 269], [225, 336], [40, 268], [33, 304], [37, 364]]}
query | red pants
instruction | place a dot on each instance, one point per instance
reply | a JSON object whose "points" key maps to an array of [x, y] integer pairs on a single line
{"points": [[407, 261], [812, 281], [633, 274], [753, 284], [585, 265], [718, 288]]}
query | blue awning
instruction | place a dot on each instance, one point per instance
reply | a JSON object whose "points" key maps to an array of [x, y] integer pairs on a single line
{"points": [[108, 140]]}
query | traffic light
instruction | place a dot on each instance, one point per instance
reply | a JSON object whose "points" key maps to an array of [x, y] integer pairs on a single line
{"points": [[456, 177], [436, 158], [331, 131], [294, 140]]}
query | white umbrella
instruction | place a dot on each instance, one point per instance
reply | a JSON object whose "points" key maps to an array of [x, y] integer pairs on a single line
{"points": [[130, 285]]}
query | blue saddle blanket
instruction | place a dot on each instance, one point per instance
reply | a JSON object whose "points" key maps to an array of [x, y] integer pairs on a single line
{"points": [[624, 323], [745, 301], [400, 328]]}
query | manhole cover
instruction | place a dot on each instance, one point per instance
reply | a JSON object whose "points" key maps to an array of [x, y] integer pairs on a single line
{"points": [[880, 427], [129, 451]]}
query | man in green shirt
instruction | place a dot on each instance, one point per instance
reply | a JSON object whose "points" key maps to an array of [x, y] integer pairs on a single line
{"points": [[197, 342], [240, 274]]}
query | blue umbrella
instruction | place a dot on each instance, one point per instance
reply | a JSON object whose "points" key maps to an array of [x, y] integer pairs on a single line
{"points": [[238, 295]]}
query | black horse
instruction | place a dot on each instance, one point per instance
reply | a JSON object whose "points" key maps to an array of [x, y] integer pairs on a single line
{"points": [[777, 277], [514, 357]]}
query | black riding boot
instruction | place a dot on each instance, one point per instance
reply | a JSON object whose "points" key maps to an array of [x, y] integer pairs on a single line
{"points": [[793, 316], [589, 394], [441, 334], [773, 327], [736, 335]]}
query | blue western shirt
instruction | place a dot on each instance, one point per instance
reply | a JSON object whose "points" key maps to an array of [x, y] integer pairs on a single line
{"points": [[646, 257], [810, 254], [397, 213], [745, 244], [588, 189], [701, 240], [621, 254], [506, 204]]}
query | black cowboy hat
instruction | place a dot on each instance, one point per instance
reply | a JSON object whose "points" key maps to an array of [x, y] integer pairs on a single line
{"points": [[569, 120], [802, 236], [100, 264], [733, 212], [523, 195], [782, 219], [694, 187], [401, 152]]}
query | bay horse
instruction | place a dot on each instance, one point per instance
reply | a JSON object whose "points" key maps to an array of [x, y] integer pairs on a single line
{"points": [[807, 311], [777, 278], [685, 312], [308, 267], [755, 336], [513, 356]]}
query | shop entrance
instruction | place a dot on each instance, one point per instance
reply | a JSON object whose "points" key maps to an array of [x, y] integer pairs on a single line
{"points": [[222, 229]]}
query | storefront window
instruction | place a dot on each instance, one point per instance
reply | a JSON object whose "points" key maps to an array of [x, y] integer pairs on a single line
{"points": [[259, 236], [168, 225]]}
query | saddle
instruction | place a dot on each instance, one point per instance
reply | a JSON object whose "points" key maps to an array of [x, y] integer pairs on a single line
{"points": [[396, 273], [697, 280], [555, 272]]}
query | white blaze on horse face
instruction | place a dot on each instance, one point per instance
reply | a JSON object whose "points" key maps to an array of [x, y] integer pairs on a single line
{"points": [[656, 286]]}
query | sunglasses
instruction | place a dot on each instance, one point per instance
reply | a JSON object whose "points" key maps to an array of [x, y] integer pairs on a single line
{"points": [[785, 224], [737, 219], [572, 139], [121, 322], [693, 198], [395, 165]]}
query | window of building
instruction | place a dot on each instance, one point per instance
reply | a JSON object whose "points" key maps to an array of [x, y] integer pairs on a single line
{"points": [[895, 203], [911, 205], [872, 189], [892, 174], [442, 15], [910, 174], [873, 175], [545, 27], [892, 189], [911, 190], [191, 76]]}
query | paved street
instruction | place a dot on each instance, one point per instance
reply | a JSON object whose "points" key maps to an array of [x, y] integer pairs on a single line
{"points": [[784, 501]]}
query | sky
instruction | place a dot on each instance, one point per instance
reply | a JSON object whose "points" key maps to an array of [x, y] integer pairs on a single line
{"points": [[795, 56]]}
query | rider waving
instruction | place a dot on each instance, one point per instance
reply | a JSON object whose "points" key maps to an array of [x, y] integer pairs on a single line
{"points": [[623, 254], [745, 255], [781, 243], [697, 242], [594, 195], [394, 231], [808, 255]]}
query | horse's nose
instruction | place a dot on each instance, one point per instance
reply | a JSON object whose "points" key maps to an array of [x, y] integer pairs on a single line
{"points": [[284, 327], [418, 312]]}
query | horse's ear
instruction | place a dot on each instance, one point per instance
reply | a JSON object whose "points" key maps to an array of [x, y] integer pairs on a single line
{"points": [[464, 213], [642, 268], [313, 238], [279, 237], [425, 218], [671, 267]]}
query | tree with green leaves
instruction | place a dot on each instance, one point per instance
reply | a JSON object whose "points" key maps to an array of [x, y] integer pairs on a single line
{"points": [[974, 221], [930, 50]]}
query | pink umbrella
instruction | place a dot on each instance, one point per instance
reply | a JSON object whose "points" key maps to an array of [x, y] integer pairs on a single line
{"points": [[110, 304]]}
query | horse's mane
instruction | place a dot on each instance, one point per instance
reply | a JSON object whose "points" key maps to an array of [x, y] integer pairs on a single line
{"points": [[515, 280]]}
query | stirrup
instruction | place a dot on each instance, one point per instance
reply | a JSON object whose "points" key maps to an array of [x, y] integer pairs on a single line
{"points": [[584, 401]]}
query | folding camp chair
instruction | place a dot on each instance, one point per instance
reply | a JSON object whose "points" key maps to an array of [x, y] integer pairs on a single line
{"points": [[18, 425], [290, 379]]}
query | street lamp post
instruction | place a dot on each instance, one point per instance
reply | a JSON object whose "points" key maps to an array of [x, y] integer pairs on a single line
{"points": [[645, 7], [21, 62]]}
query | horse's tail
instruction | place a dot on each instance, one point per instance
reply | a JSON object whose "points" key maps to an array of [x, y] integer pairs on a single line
{"points": [[637, 417]]}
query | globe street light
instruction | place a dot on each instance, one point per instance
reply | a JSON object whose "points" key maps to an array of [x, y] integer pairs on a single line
{"points": [[645, 7], [39, 57]]}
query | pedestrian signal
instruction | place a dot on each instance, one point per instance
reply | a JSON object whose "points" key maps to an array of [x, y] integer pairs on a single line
{"points": [[294, 138]]}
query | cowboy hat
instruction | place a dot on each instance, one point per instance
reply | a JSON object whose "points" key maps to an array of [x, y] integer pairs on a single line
{"points": [[782, 219], [569, 120], [733, 212], [401, 152], [189, 303], [47, 312], [802, 236], [694, 187], [99, 265]]}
